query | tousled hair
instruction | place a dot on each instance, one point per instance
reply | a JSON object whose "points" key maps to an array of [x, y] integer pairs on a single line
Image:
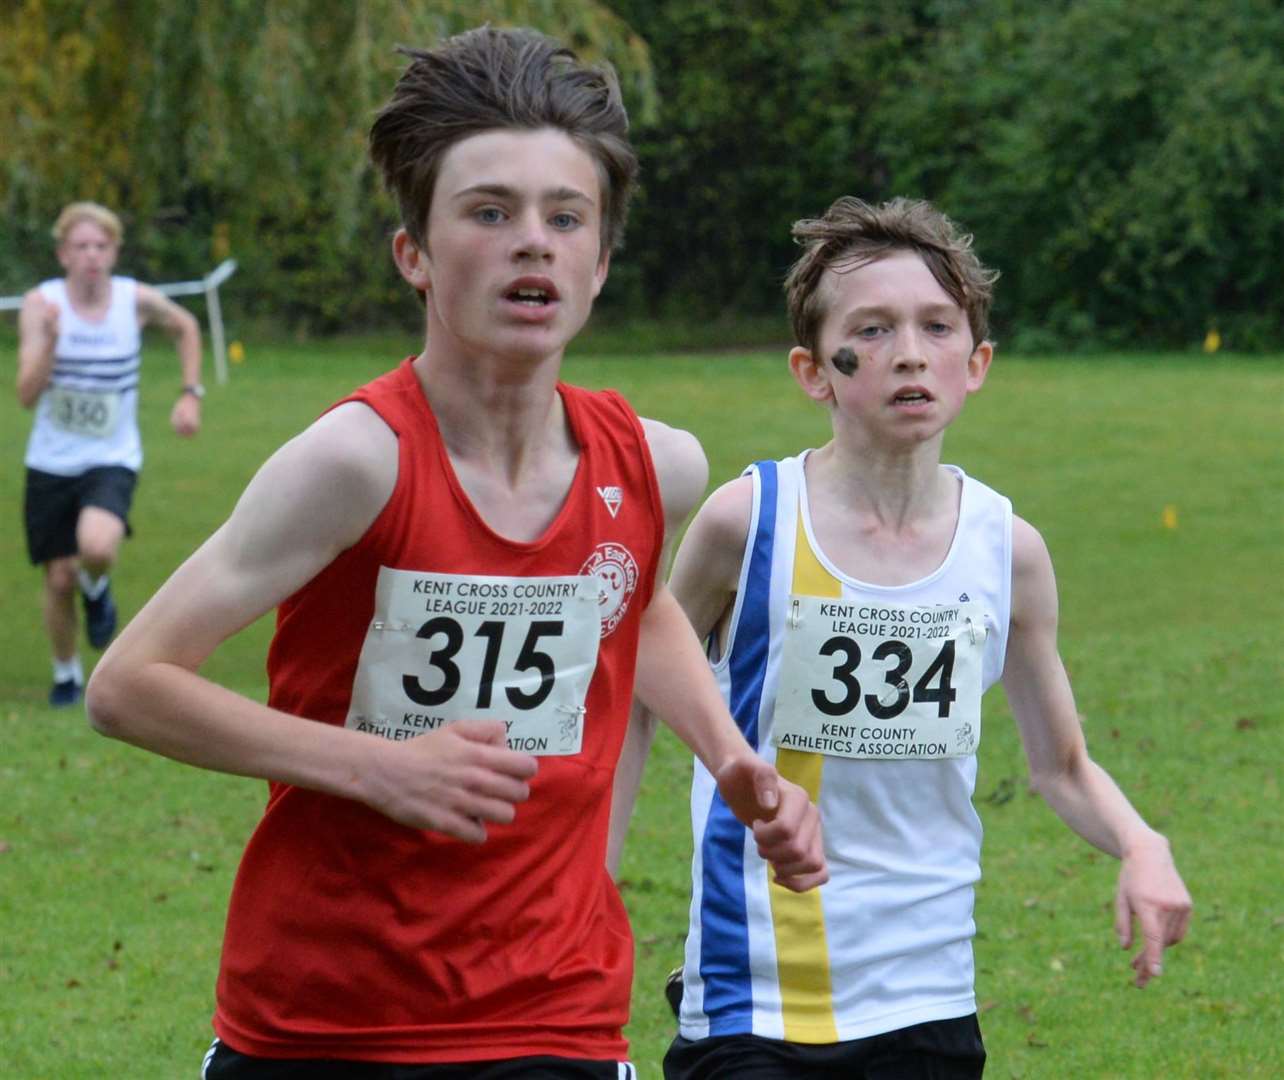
{"points": [[490, 79], [854, 233], [74, 213]]}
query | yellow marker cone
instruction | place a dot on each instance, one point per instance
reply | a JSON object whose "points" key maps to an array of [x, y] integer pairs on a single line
{"points": [[1169, 517], [1212, 341], [236, 352]]}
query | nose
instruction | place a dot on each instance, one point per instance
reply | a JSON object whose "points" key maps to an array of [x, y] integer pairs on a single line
{"points": [[532, 237], [909, 353]]}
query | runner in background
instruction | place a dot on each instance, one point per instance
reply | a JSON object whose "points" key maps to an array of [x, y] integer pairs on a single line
{"points": [[78, 366]]}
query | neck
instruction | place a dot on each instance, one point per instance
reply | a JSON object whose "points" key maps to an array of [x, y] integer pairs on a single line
{"points": [[897, 488], [502, 416], [89, 292]]}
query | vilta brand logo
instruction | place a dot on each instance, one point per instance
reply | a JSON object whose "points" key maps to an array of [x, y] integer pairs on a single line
{"points": [[613, 496]]}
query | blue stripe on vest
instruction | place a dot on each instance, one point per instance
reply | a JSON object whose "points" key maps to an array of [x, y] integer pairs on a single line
{"points": [[724, 941]]}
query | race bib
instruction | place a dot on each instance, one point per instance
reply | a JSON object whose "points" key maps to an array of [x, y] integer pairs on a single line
{"points": [[872, 680], [84, 412], [445, 647]]}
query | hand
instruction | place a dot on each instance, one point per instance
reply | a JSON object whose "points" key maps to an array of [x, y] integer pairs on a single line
{"points": [[785, 824], [452, 780], [185, 417], [1151, 890]]}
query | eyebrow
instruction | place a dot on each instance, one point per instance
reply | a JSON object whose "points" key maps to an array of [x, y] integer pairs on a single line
{"points": [[880, 311], [504, 191]]}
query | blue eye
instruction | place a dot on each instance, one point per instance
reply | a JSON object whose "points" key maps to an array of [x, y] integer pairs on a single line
{"points": [[565, 220], [489, 215]]}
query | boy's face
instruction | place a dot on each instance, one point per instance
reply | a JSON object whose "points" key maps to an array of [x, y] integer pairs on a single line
{"points": [[905, 356], [514, 257], [87, 253]]}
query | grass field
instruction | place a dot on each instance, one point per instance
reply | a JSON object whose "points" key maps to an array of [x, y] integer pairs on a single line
{"points": [[1157, 484]]}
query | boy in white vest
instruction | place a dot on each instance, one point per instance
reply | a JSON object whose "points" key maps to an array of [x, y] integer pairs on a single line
{"points": [[858, 600], [78, 366]]}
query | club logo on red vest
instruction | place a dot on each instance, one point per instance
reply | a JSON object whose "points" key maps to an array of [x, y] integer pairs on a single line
{"points": [[617, 573]]}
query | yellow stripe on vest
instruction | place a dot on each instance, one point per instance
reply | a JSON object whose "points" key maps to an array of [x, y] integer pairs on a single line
{"points": [[802, 949]]}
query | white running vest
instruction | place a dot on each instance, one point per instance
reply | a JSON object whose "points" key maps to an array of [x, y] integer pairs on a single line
{"points": [[87, 416], [887, 942]]}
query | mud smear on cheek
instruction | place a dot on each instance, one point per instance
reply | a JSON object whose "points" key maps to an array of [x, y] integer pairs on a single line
{"points": [[845, 361]]}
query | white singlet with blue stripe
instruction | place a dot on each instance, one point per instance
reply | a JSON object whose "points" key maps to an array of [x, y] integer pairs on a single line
{"points": [[887, 942], [87, 416]]}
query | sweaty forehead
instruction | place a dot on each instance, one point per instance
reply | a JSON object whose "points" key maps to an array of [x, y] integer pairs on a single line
{"points": [[899, 281], [87, 231], [542, 163]]}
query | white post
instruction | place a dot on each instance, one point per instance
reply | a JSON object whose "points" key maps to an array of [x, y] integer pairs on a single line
{"points": [[212, 281], [216, 333]]}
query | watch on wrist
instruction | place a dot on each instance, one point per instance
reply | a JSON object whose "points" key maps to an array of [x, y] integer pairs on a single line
{"points": [[195, 389]]}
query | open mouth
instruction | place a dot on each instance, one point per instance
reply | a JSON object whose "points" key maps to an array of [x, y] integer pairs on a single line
{"points": [[912, 397], [530, 296]]}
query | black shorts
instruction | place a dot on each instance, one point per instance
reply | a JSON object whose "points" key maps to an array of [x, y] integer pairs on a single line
{"points": [[937, 1050], [53, 503], [224, 1063]]}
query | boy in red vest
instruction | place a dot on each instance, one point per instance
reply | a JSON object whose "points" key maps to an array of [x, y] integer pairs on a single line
{"points": [[464, 555]]}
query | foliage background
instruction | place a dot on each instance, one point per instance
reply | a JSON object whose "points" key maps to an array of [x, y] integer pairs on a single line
{"points": [[1121, 164]]}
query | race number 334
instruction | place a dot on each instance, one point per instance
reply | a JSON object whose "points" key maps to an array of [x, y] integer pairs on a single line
{"points": [[865, 680], [442, 647]]}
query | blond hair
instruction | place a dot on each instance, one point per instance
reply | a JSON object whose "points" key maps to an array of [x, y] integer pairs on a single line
{"points": [[74, 213]]}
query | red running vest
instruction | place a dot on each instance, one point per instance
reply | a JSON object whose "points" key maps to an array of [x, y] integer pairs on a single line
{"points": [[350, 936]]}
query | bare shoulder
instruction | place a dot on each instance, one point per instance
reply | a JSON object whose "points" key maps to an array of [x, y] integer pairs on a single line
{"points": [[725, 516], [706, 571], [680, 468], [325, 487], [351, 447], [1034, 589], [1029, 551], [33, 309], [155, 308]]}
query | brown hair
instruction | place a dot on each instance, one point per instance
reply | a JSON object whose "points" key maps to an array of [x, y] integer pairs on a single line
{"points": [[74, 213], [854, 233], [487, 79]]}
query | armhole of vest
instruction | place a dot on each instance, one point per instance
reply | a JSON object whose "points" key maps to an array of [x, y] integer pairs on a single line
{"points": [[1005, 577], [626, 410], [128, 303], [754, 471]]}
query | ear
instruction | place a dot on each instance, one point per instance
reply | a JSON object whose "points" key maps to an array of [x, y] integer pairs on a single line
{"points": [[599, 274], [809, 373], [411, 261], [978, 364]]}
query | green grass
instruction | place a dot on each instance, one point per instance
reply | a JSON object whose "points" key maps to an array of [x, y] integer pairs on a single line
{"points": [[115, 865]]}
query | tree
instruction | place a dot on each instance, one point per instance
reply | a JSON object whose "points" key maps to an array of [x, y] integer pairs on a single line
{"points": [[1120, 163], [235, 127], [765, 116]]}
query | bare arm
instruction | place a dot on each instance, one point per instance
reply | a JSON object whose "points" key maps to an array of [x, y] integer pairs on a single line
{"points": [[285, 529], [684, 486], [37, 338], [1079, 790], [674, 681], [156, 309]]}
